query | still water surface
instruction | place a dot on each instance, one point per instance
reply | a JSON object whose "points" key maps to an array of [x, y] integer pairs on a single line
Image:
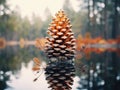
{"points": [[24, 80], [93, 71]]}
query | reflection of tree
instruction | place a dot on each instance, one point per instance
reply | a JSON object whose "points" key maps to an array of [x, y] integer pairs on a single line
{"points": [[100, 74], [3, 79], [8, 62], [11, 59], [2, 85]]}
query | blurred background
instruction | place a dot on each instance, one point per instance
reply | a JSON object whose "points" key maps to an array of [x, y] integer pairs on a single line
{"points": [[96, 27]]}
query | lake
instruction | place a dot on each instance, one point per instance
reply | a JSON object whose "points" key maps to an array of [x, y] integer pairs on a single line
{"points": [[95, 69]]}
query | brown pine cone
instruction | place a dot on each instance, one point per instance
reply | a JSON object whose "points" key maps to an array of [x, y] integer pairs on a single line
{"points": [[61, 44]]}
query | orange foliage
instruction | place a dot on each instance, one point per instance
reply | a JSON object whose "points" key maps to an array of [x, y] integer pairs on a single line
{"points": [[118, 39], [112, 41], [40, 43], [84, 42], [79, 42], [2, 43], [36, 68], [87, 40], [37, 64], [36, 61], [102, 41]]}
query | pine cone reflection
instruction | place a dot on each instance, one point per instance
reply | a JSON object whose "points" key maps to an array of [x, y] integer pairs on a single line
{"points": [[60, 75]]}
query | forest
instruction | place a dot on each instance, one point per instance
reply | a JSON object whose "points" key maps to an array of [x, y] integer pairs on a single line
{"points": [[98, 17]]}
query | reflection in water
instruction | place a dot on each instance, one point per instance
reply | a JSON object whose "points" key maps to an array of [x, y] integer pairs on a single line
{"points": [[103, 70], [11, 63], [2, 43], [99, 71], [87, 51], [24, 80], [60, 75], [3, 78], [22, 43]]}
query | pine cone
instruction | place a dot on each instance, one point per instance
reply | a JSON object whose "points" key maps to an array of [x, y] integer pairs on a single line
{"points": [[60, 49], [60, 75], [61, 45]]}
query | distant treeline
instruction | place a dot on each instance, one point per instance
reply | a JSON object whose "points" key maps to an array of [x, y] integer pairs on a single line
{"points": [[98, 17]]}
